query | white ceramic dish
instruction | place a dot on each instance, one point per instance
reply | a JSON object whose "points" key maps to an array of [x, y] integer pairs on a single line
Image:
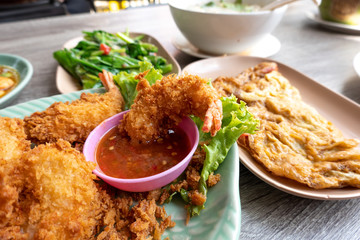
{"points": [[65, 83], [339, 27], [356, 63], [223, 33], [342, 112], [267, 47]]}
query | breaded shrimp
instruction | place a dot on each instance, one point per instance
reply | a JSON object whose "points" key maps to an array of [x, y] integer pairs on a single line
{"points": [[159, 107], [74, 121], [49, 192], [13, 145], [63, 199]]}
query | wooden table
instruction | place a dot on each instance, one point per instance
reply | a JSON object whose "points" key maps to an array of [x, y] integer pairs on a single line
{"points": [[323, 55]]}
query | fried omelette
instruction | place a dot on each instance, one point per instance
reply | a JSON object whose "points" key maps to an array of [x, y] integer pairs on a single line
{"points": [[294, 140]]}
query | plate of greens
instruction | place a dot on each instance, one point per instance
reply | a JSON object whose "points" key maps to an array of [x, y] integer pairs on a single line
{"points": [[82, 58]]}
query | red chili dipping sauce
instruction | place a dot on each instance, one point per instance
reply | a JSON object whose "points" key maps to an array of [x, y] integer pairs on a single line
{"points": [[117, 157]]}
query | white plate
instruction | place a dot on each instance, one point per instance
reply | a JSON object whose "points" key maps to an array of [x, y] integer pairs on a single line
{"points": [[267, 47], [356, 63], [65, 83], [339, 27], [342, 112]]}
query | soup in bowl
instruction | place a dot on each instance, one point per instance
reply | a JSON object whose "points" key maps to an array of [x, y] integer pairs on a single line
{"points": [[214, 28]]}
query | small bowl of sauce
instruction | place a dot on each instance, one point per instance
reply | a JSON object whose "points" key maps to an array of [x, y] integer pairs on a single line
{"points": [[15, 74], [143, 167], [9, 78]]}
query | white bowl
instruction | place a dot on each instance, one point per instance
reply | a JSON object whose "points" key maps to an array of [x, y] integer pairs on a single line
{"points": [[223, 33]]}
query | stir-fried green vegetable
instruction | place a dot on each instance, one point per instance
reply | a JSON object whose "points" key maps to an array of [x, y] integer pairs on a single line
{"points": [[236, 121], [116, 53]]}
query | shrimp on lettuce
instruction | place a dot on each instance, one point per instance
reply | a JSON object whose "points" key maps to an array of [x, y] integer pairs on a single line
{"points": [[160, 106], [220, 122]]}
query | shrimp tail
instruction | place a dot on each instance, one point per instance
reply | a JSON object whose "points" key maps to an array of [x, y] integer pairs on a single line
{"points": [[107, 80], [213, 117]]}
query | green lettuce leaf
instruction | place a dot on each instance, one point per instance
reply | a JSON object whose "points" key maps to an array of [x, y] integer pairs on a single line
{"points": [[127, 85], [236, 121], [127, 82]]}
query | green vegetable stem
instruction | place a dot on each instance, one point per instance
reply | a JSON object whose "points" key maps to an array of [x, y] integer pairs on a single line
{"points": [[123, 55]]}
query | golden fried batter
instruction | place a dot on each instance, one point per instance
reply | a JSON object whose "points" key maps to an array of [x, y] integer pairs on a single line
{"points": [[294, 140], [144, 220], [74, 121], [63, 199], [49, 192], [12, 147], [54, 196], [159, 107]]}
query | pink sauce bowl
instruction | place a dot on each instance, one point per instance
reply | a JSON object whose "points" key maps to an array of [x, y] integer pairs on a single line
{"points": [[139, 184]]}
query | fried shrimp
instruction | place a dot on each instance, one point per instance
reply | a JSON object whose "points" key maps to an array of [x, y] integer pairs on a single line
{"points": [[74, 121], [159, 107], [63, 199], [12, 148]]}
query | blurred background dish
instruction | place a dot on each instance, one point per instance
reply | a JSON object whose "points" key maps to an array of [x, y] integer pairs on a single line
{"points": [[337, 15], [266, 47], [340, 11], [223, 32], [339, 27], [356, 63], [25, 71]]}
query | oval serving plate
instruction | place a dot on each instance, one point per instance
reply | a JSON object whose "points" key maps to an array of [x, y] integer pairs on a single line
{"points": [[346, 117], [221, 217], [65, 83], [25, 70]]}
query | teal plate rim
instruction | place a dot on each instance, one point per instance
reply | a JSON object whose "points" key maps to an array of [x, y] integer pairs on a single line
{"points": [[221, 218], [25, 76]]}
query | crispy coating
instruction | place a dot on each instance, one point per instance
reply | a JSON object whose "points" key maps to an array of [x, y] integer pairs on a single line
{"points": [[145, 223], [125, 219], [54, 194], [213, 179], [294, 140], [74, 121], [13, 145], [62, 197], [164, 104], [59, 199]]}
